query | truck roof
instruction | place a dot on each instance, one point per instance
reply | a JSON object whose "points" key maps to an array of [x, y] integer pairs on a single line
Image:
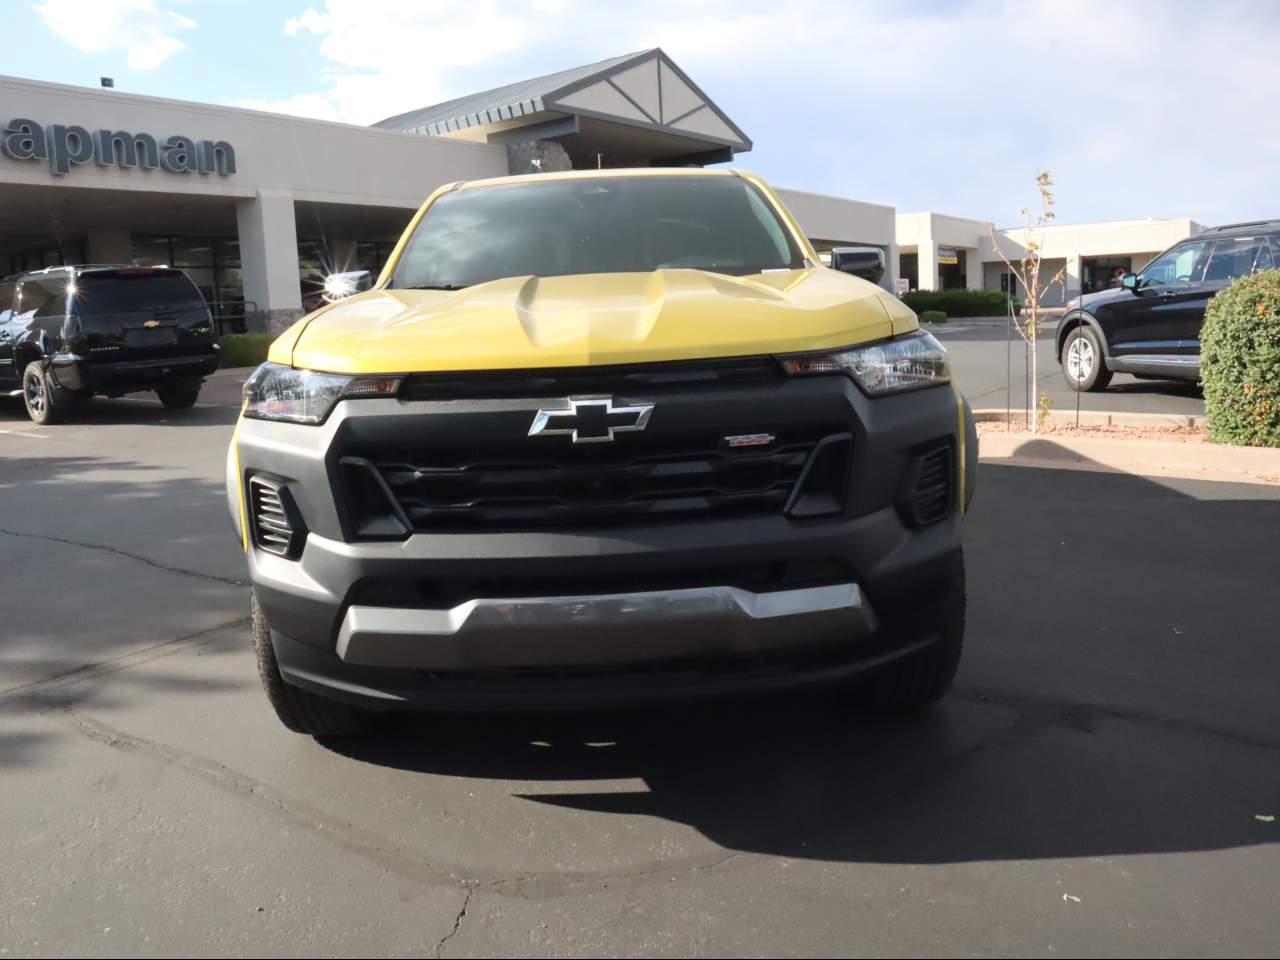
{"points": [[607, 172]]}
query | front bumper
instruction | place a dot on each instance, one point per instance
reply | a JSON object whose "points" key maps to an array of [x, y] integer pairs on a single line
{"points": [[616, 613], [515, 632]]}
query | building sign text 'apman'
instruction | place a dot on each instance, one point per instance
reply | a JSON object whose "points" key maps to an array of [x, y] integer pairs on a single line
{"points": [[67, 146]]}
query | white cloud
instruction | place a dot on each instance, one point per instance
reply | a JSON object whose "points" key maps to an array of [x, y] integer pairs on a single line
{"points": [[388, 56], [147, 33]]}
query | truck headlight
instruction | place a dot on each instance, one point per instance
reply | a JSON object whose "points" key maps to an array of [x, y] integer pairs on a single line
{"points": [[891, 366], [277, 392]]}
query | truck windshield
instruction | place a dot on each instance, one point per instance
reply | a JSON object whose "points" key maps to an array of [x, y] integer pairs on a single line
{"points": [[132, 293], [630, 224]]}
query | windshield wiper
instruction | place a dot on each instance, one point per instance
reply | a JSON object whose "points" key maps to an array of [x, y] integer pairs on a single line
{"points": [[437, 286]]}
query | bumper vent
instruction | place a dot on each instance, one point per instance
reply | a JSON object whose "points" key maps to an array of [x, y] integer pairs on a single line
{"points": [[277, 527], [825, 483], [930, 492]]}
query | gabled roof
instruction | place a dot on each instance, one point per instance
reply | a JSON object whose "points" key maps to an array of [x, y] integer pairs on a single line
{"points": [[643, 89]]}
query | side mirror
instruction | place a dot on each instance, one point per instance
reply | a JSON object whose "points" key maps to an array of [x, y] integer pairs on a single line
{"points": [[864, 262], [1129, 281], [339, 286]]}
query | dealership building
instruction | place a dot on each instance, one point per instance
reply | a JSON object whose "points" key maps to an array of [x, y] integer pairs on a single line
{"points": [[939, 252], [258, 207]]}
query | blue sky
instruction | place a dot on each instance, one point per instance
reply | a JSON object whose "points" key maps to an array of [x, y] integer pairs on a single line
{"points": [[1138, 109]]}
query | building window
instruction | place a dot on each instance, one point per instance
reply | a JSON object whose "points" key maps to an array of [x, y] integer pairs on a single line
{"points": [[212, 263], [1101, 273], [909, 269], [66, 255], [372, 255], [950, 271]]}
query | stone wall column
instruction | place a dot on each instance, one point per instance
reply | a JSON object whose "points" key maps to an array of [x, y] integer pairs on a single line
{"points": [[537, 156]]}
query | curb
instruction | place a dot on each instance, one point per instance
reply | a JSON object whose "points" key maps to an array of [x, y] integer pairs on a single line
{"points": [[1149, 458], [1100, 418]]}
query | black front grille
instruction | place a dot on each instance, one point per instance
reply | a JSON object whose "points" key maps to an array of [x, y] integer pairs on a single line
{"points": [[931, 493], [600, 489]]}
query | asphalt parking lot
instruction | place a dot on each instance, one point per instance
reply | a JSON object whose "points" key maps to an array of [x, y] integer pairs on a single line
{"points": [[1094, 785], [989, 357]]}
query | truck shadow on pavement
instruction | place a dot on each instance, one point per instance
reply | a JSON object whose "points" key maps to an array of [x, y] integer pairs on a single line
{"points": [[977, 779], [1117, 697]]}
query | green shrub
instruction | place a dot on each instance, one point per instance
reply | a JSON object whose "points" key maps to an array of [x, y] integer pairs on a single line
{"points": [[932, 316], [1240, 362], [961, 303], [243, 349]]}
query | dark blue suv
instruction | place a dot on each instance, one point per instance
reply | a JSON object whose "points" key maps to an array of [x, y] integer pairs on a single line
{"points": [[1149, 326]]}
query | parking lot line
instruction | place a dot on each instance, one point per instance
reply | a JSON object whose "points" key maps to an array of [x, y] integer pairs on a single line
{"points": [[26, 433]]}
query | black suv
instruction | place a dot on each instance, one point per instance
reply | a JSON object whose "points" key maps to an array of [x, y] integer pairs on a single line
{"points": [[1149, 326], [67, 333]]}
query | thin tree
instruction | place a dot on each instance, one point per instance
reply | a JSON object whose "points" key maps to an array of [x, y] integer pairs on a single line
{"points": [[1027, 273]]}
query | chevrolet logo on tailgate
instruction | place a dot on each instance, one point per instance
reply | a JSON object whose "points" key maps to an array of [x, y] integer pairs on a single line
{"points": [[590, 420]]}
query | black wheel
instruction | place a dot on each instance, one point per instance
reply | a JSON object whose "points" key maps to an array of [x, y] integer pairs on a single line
{"points": [[923, 677], [179, 396], [301, 710], [46, 402], [1082, 361]]}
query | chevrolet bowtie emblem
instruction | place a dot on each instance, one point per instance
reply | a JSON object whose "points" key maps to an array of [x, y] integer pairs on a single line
{"points": [[590, 420], [150, 324]]}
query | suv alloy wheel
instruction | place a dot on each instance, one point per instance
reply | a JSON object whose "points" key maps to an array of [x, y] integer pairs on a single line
{"points": [[1082, 361], [45, 402]]}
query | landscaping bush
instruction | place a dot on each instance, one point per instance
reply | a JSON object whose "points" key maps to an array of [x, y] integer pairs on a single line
{"points": [[961, 303], [932, 316], [243, 349], [1240, 362]]}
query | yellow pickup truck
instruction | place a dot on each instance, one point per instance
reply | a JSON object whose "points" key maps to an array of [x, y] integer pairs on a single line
{"points": [[601, 437]]}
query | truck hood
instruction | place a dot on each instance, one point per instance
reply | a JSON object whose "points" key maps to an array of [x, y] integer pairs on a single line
{"points": [[587, 320]]}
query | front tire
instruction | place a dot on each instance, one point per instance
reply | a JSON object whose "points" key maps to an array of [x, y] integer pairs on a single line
{"points": [[1082, 361], [301, 710], [916, 681], [179, 396]]}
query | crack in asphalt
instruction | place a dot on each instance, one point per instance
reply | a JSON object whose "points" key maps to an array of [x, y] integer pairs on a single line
{"points": [[232, 581], [409, 864], [125, 661], [1068, 709], [549, 884], [375, 847], [457, 920]]}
